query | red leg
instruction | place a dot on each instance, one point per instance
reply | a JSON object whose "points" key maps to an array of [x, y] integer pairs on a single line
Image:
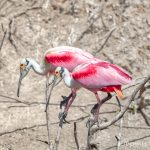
{"points": [[70, 102], [98, 107], [63, 113]]}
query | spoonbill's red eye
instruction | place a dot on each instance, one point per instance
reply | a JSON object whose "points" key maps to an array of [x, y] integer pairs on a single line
{"points": [[22, 66], [56, 73]]}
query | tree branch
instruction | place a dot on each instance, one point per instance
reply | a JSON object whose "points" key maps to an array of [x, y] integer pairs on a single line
{"points": [[5, 31], [10, 37], [48, 124], [119, 137], [75, 136], [105, 41]]}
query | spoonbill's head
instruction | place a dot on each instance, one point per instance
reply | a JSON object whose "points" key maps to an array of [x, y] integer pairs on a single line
{"points": [[58, 75], [59, 72], [25, 66]]}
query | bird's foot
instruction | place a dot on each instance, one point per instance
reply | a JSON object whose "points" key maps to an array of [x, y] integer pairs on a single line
{"points": [[64, 102], [91, 122], [62, 117], [95, 121]]}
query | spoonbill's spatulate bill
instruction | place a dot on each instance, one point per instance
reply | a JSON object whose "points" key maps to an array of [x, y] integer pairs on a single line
{"points": [[64, 56], [100, 76]]}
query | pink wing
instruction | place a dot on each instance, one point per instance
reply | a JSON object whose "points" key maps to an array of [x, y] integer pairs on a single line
{"points": [[68, 57], [101, 74]]}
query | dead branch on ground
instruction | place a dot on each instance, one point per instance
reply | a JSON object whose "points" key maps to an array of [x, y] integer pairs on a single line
{"points": [[5, 31], [76, 136]]}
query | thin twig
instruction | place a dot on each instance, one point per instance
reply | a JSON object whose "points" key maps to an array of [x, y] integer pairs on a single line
{"points": [[145, 116], [57, 139], [47, 113], [105, 41], [119, 137], [10, 37], [88, 147], [19, 129], [5, 31], [141, 105], [76, 136], [58, 135]]}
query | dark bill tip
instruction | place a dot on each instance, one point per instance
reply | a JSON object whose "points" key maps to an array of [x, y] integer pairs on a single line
{"points": [[19, 84]]}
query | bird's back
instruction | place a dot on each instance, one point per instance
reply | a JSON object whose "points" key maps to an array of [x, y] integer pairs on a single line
{"points": [[67, 57], [101, 74]]}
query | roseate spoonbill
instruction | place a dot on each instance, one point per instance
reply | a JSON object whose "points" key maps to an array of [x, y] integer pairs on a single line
{"points": [[100, 76]]}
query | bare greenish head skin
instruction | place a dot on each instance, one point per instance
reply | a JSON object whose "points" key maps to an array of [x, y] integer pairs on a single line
{"points": [[25, 66], [59, 72]]}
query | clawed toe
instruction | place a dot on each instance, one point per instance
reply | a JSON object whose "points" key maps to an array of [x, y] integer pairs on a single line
{"points": [[64, 101], [91, 122], [62, 117]]}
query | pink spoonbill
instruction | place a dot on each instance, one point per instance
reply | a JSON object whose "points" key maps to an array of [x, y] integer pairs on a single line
{"points": [[99, 76]]}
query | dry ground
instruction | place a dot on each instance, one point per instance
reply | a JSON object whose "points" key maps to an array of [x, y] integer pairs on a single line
{"points": [[33, 26]]}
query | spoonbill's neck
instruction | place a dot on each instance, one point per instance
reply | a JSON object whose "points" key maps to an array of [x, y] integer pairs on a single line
{"points": [[39, 69], [67, 78]]}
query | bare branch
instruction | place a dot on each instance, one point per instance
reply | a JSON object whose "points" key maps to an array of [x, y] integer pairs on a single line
{"points": [[88, 147], [55, 147], [76, 136], [56, 144], [105, 41], [24, 12], [10, 36], [5, 31], [142, 105], [119, 137], [145, 116], [19, 129], [48, 124]]}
